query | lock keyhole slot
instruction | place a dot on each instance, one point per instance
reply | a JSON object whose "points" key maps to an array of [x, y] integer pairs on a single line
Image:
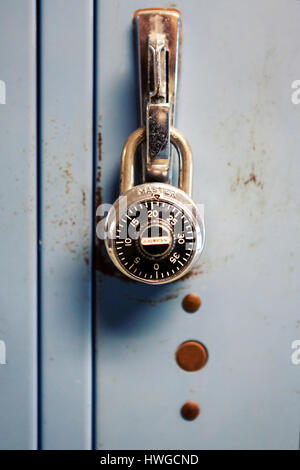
{"points": [[156, 240]]}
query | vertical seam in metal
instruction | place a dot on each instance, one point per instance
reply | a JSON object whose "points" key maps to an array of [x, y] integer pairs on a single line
{"points": [[93, 227], [39, 221]]}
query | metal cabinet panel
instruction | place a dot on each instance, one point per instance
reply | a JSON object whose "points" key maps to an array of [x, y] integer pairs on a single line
{"points": [[18, 269], [66, 131], [239, 60], [106, 339]]}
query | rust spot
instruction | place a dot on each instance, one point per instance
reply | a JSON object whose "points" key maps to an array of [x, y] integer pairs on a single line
{"points": [[253, 178], [196, 271], [236, 182], [67, 175], [191, 303], [191, 356], [83, 200], [98, 177], [68, 247], [190, 410], [157, 301], [86, 260]]}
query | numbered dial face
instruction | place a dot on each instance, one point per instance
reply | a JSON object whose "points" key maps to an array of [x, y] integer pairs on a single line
{"points": [[155, 241]]}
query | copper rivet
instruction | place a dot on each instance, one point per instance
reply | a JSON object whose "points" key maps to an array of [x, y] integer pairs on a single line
{"points": [[190, 410], [191, 356], [191, 303]]}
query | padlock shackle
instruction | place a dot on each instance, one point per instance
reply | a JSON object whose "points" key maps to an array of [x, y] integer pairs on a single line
{"points": [[128, 159]]}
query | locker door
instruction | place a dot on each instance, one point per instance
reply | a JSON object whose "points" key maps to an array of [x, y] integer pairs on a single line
{"points": [[18, 269], [238, 62], [66, 103]]}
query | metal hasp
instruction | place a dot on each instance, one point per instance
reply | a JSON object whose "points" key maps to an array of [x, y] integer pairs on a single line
{"points": [[158, 34]]}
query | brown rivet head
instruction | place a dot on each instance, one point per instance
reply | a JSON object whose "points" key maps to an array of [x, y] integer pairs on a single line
{"points": [[191, 356], [190, 410], [191, 303]]}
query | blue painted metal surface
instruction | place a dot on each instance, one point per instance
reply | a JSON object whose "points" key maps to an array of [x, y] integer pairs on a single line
{"points": [[239, 60], [238, 63], [66, 126], [18, 272]]}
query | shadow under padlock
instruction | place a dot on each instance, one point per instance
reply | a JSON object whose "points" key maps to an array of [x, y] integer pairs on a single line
{"points": [[128, 308]]}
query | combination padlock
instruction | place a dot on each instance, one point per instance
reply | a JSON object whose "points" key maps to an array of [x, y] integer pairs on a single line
{"points": [[154, 231]]}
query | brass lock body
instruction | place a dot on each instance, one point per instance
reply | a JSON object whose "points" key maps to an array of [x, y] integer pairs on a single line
{"points": [[154, 231]]}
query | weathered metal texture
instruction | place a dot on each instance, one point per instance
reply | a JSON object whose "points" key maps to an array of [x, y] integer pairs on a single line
{"points": [[67, 117], [18, 273], [239, 60]]}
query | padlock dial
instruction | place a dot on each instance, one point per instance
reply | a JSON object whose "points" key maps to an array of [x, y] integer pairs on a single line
{"points": [[155, 241]]}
